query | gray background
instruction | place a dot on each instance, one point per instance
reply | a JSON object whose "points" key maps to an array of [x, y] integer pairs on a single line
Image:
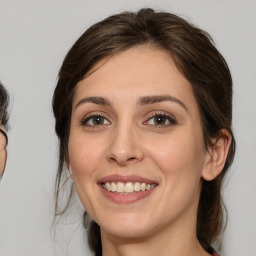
{"points": [[34, 37]]}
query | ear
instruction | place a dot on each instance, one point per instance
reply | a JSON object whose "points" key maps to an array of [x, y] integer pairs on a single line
{"points": [[217, 155]]}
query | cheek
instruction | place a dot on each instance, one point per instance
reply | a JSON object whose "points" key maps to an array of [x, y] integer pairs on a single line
{"points": [[84, 157], [180, 157], [84, 154], [180, 162]]}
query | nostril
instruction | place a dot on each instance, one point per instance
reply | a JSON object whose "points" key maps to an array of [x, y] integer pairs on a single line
{"points": [[122, 161], [112, 159], [131, 158]]}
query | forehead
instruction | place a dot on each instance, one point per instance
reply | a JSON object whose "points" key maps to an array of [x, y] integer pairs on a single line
{"points": [[135, 72]]}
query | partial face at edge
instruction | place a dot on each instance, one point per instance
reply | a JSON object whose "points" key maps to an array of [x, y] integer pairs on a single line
{"points": [[135, 119], [3, 150]]}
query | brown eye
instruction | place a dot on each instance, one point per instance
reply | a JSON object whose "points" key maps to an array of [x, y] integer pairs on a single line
{"points": [[98, 120], [161, 120], [95, 120]]}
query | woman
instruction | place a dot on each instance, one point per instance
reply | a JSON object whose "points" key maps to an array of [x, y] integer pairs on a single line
{"points": [[143, 110], [4, 100]]}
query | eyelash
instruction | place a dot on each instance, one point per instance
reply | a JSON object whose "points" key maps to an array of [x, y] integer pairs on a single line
{"points": [[166, 117], [86, 119]]}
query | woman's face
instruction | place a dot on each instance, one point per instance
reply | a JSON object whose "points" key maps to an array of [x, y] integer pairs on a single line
{"points": [[3, 151], [136, 150]]}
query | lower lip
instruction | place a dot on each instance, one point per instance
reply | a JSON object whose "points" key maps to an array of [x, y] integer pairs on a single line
{"points": [[126, 198]]}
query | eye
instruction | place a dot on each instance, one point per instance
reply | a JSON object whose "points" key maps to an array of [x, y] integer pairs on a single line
{"points": [[161, 120], [95, 120]]}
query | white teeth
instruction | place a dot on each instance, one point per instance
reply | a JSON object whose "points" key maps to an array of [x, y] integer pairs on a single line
{"points": [[137, 186], [142, 186], [113, 187], [107, 186], [128, 187], [120, 187], [152, 186]]}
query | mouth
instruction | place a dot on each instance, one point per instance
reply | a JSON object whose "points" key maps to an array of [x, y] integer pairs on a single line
{"points": [[126, 189]]}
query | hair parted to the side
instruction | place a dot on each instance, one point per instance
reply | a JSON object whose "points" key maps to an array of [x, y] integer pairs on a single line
{"points": [[198, 60], [4, 103]]}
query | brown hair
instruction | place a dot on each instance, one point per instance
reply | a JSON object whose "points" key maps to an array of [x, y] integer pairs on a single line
{"points": [[197, 59]]}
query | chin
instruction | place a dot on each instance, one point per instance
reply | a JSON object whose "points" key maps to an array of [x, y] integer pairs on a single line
{"points": [[126, 231], [127, 226]]}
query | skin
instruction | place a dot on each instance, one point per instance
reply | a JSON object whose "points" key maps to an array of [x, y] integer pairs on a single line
{"points": [[3, 153], [128, 142]]}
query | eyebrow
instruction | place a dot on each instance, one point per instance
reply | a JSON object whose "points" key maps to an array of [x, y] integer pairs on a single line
{"points": [[160, 98], [96, 100], [145, 100]]}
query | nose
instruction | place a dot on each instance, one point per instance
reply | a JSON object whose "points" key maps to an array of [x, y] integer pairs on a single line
{"points": [[125, 146]]}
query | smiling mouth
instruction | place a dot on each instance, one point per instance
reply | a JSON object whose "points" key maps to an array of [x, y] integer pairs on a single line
{"points": [[127, 188]]}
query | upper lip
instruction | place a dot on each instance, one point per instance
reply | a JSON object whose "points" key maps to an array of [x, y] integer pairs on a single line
{"points": [[125, 179]]}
